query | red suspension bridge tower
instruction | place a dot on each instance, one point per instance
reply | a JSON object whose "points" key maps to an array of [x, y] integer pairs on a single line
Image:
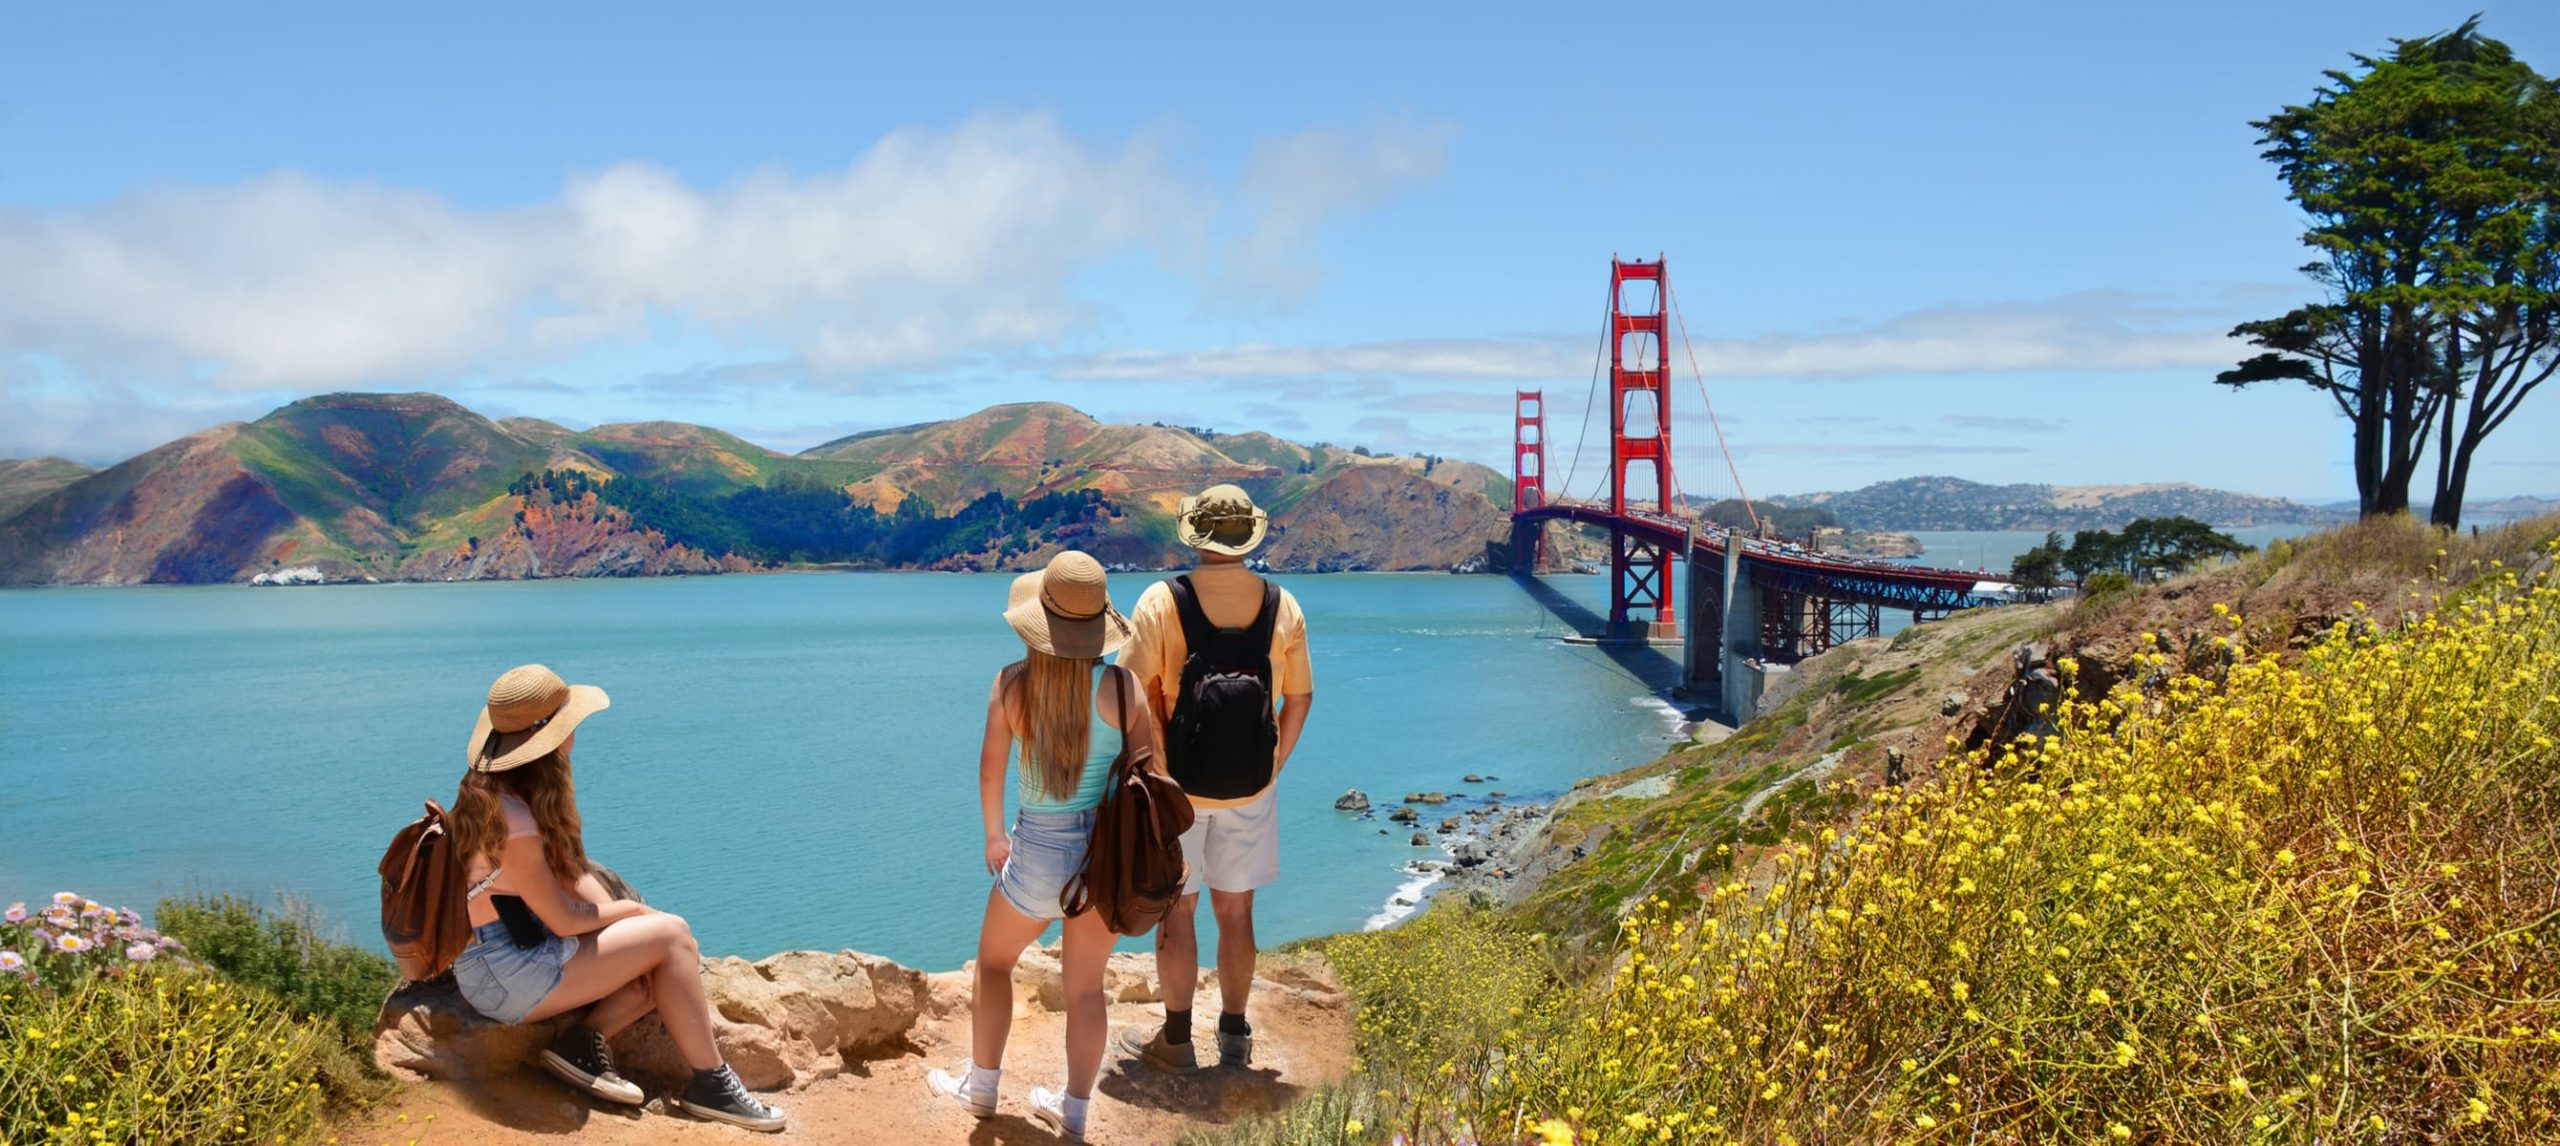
{"points": [[1639, 451], [1528, 475]]}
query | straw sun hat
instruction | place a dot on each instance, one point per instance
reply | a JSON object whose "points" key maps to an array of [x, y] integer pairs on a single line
{"points": [[1223, 519], [1065, 610], [531, 711]]}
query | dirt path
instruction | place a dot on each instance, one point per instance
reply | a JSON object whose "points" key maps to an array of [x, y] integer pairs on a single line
{"points": [[1302, 1036]]}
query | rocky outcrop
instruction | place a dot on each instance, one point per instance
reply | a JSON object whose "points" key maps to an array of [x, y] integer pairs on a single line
{"points": [[1354, 800], [783, 1022], [1384, 517]]}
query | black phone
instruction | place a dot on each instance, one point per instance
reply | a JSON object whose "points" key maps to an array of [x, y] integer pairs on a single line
{"points": [[523, 925]]}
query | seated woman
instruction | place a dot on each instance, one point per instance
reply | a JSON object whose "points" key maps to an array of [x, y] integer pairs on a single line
{"points": [[516, 826], [1063, 707]]}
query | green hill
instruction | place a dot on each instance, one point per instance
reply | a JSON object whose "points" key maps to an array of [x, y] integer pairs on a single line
{"points": [[417, 487]]}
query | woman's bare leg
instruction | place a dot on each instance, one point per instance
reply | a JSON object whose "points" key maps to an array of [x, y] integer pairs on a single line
{"points": [[1087, 949], [629, 1005], [658, 946], [623, 1007], [1001, 938]]}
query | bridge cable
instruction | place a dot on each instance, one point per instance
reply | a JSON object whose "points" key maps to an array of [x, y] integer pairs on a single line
{"points": [[1710, 403], [1589, 396]]}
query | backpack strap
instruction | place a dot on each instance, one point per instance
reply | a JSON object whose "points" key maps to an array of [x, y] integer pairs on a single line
{"points": [[1268, 621], [1196, 629]]}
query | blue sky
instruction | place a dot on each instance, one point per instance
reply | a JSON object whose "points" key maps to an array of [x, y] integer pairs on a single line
{"points": [[1996, 241]]}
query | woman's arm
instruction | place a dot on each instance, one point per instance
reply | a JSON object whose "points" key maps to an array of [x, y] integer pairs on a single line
{"points": [[559, 910], [993, 746], [1139, 730]]}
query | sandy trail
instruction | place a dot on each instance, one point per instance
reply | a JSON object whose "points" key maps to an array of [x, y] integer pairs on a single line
{"points": [[1302, 1036]]}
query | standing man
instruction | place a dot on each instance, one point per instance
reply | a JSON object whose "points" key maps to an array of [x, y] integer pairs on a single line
{"points": [[1222, 657]]}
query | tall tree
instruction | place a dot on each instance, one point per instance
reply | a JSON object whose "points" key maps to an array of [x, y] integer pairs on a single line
{"points": [[2432, 181]]}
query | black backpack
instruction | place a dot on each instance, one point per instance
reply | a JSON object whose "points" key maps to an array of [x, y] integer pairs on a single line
{"points": [[1220, 741]]}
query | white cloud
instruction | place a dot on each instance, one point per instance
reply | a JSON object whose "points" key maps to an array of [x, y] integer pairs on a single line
{"points": [[931, 246], [1296, 184], [2101, 331]]}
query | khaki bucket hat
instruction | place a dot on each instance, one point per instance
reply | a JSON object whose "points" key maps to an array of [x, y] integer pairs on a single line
{"points": [[531, 712], [1065, 610], [1223, 519]]}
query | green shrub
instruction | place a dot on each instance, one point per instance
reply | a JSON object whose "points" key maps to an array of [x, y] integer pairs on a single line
{"points": [[1350, 1113], [285, 954]]}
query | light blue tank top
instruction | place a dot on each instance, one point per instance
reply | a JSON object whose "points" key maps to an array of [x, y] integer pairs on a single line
{"points": [[1102, 746]]}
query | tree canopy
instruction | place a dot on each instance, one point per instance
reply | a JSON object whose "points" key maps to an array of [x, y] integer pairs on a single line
{"points": [[2431, 182], [2148, 546]]}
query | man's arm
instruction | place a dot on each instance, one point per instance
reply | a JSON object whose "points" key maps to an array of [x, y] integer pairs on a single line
{"points": [[1293, 716]]}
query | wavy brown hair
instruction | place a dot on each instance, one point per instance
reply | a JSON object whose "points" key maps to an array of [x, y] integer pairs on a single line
{"points": [[480, 824], [1053, 695]]}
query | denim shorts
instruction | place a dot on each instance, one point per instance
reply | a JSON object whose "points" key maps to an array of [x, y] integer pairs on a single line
{"points": [[504, 981], [1048, 848]]}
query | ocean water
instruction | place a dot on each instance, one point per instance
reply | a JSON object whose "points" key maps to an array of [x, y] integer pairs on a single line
{"points": [[790, 760], [1993, 550]]}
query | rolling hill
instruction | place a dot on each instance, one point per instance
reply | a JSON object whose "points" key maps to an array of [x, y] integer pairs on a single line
{"points": [[24, 480], [1934, 503], [416, 487]]}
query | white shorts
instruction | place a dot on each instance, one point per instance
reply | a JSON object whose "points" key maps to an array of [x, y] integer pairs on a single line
{"points": [[1233, 849]]}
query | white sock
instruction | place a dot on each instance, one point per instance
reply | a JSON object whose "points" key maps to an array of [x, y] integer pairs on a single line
{"points": [[981, 1083], [1073, 1108]]}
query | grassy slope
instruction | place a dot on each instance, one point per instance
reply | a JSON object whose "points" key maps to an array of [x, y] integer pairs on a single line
{"points": [[1667, 846]]}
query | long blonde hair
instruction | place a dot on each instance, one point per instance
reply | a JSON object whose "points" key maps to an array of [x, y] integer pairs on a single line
{"points": [[1053, 696], [480, 824]]}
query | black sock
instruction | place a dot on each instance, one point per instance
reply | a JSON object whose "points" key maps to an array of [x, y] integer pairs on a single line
{"points": [[1177, 1027], [1230, 1023]]}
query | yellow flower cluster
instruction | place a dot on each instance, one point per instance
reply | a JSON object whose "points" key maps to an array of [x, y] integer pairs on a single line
{"points": [[2283, 902], [171, 1055]]}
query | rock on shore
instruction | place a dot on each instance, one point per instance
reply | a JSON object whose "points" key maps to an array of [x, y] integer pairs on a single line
{"points": [[784, 1022]]}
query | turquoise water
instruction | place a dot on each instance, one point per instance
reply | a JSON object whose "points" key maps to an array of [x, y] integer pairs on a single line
{"points": [[790, 761]]}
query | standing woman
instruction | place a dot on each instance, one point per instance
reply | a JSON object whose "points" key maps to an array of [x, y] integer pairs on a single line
{"points": [[1063, 707], [516, 826]]}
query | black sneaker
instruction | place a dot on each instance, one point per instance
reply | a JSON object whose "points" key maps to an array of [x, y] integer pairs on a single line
{"points": [[581, 1059], [720, 1097]]}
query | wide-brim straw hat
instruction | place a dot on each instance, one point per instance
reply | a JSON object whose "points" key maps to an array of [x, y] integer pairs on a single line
{"points": [[1223, 519], [1065, 610], [530, 713]]}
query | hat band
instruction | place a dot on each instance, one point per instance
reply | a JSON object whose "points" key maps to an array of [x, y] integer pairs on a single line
{"points": [[1050, 603]]}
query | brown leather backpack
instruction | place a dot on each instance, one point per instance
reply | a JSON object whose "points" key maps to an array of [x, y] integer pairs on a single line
{"points": [[1133, 868], [424, 919]]}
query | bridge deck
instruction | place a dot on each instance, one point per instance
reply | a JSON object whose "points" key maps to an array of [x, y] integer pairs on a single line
{"points": [[1788, 569]]}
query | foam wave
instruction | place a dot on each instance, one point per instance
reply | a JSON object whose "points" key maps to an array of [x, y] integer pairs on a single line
{"points": [[1411, 889], [1672, 717]]}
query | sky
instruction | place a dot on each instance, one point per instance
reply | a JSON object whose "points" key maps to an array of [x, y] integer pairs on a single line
{"points": [[1998, 241]]}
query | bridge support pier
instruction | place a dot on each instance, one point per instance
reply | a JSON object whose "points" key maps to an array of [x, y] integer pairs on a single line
{"points": [[1741, 678], [1702, 658]]}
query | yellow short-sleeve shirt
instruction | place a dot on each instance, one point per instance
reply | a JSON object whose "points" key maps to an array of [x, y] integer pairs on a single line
{"points": [[1230, 595]]}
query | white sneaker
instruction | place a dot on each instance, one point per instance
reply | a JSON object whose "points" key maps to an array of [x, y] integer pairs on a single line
{"points": [[1049, 1108], [955, 1087]]}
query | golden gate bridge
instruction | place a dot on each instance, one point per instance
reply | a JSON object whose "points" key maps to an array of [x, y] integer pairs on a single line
{"points": [[1753, 603]]}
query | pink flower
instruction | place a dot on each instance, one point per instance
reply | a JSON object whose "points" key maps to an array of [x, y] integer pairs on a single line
{"points": [[64, 899], [141, 952], [11, 961], [17, 913], [71, 944]]}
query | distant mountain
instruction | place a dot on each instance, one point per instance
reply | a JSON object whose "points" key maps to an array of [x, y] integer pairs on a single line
{"points": [[2490, 511], [1945, 503], [24, 480], [416, 487]]}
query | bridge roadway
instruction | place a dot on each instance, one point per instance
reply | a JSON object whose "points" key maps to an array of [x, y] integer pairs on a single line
{"points": [[1755, 606]]}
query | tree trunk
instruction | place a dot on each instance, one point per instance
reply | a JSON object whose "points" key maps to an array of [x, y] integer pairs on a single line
{"points": [[2447, 513]]}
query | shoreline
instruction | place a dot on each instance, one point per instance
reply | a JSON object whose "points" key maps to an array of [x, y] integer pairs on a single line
{"points": [[1480, 844]]}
